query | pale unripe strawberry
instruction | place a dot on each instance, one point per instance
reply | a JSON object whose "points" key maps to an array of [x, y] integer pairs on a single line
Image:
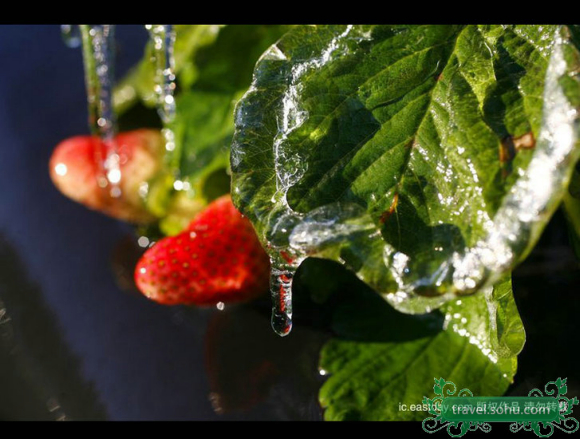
{"points": [[78, 171]]}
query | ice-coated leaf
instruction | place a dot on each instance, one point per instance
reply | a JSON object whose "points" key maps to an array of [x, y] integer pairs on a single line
{"points": [[427, 159], [371, 378]]}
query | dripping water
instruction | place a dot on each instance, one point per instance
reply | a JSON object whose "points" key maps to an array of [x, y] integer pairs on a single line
{"points": [[98, 43]]}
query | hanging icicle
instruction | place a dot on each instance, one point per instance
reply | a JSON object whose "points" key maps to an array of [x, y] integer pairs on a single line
{"points": [[163, 39], [98, 45]]}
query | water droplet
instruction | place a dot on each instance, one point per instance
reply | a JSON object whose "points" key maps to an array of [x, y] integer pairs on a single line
{"points": [[61, 169], [178, 185], [115, 192], [114, 175], [143, 241], [143, 189], [220, 306], [71, 35]]}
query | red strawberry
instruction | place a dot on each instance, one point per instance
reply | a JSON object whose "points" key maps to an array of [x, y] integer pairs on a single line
{"points": [[77, 170], [218, 258]]}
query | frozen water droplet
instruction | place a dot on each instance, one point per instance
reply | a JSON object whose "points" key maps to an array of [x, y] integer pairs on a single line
{"points": [[114, 175], [61, 169], [178, 185], [220, 306], [143, 241], [281, 289], [143, 189], [115, 192]]}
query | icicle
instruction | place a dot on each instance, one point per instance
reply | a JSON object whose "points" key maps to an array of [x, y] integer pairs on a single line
{"points": [[71, 35], [281, 287], [283, 266], [163, 39], [98, 46]]}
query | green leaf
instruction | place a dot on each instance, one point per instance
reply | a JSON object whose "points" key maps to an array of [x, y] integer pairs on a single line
{"points": [[203, 129], [228, 64], [204, 121], [427, 159], [370, 376], [139, 83]]}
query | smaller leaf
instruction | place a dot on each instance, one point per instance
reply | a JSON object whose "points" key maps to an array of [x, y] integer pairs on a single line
{"points": [[139, 83], [370, 378], [214, 67]]}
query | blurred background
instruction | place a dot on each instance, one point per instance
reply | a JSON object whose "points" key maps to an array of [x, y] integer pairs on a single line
{"points": [[74, 343], [77, 343]]}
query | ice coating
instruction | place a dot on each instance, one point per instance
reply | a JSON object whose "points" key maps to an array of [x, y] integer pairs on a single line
{"points": [[475, 329], [345, 232], [162, 37], [289, 170], [516, 222], [518, 219], [98, 43], [328, 224], [281, 288]]}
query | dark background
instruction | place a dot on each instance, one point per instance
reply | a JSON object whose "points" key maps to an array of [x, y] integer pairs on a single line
{"points": [[75, 345], [69, 336]]}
